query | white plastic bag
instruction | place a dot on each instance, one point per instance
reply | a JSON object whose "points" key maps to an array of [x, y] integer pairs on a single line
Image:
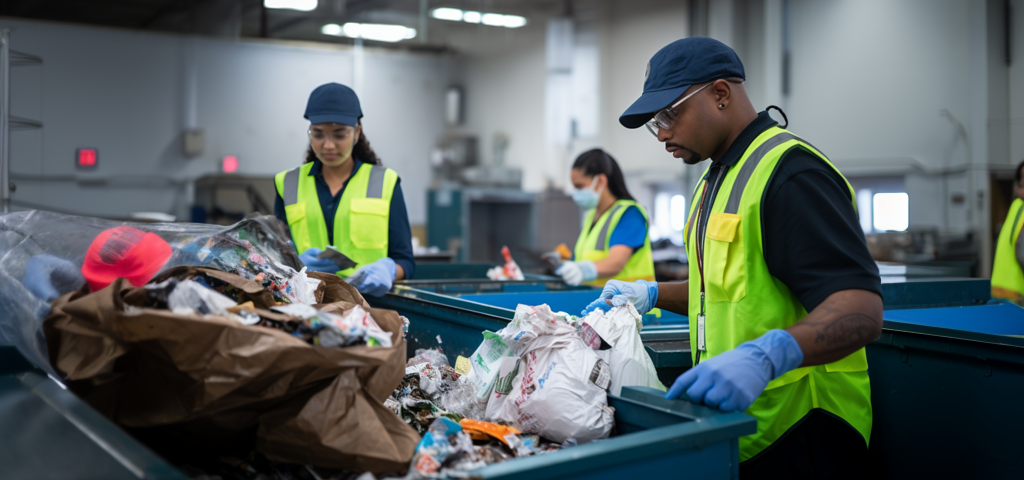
{"points": [[630, 364], [559, 387], [485, 363]]}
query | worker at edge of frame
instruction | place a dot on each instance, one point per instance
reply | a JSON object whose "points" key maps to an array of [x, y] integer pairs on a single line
{"points": [[783, 294], [344, 197], [1007, 276], [613, 243]]}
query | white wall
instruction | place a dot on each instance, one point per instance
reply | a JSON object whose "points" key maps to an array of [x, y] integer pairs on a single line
{"points": [[504, 94], [633, 33], [123, 92]]}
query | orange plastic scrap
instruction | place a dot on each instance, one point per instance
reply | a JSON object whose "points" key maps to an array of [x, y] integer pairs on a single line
{"points": [[478, 430], [563, 251]]}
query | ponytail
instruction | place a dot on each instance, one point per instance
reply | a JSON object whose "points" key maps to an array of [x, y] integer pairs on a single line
{"points": [[597, 161]]}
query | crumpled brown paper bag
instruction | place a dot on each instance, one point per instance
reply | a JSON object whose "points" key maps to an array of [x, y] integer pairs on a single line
{"points": [[313, 405]]}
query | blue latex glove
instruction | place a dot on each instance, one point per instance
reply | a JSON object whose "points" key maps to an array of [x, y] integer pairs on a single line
{"points": [[48, 277], [374, 279], [733, 380], [317, 264], [643, 294], [575, 273]]}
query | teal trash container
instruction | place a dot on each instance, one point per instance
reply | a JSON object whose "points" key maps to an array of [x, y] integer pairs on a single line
{"points": [[946, 389], [653, 438], [47, 432], [945, 347], [458, 322]]}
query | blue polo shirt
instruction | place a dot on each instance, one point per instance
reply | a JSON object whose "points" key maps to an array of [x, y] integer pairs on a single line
{"points": [[399, 232]]}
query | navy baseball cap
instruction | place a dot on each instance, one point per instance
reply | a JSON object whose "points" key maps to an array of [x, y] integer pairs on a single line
{"points": [[674, 68], [333, 103]]}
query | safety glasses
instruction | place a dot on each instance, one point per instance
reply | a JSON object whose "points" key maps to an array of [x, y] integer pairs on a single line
{"points": [[666, 117]]}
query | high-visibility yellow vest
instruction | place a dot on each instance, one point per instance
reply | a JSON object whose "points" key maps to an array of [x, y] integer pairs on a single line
{"points": [[593, 244], [360, 223], [1007, 277], [744, 301]]}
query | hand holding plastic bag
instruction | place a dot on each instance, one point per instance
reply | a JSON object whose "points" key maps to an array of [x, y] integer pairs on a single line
{"points": [[642, 294]]}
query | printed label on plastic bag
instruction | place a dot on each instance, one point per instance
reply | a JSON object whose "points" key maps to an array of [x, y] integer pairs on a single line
{"points": [[601, 374], [489, 352], [590, 336], [508, 371]]}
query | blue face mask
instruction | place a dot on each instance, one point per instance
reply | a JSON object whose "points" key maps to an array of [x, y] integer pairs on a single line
{"points": [[586, 198]]}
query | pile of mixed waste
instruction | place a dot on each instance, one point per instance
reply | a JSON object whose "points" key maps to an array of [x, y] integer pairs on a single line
{"points": [[208, 296], [538, 385]]}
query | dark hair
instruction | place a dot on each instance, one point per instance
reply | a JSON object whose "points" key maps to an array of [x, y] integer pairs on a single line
{"points": [[597, 161], [1016, 174], [361, 150]]}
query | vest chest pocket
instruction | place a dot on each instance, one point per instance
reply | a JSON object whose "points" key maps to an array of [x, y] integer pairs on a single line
{"points": [[368, 223], [296, 215], [726, 268]]}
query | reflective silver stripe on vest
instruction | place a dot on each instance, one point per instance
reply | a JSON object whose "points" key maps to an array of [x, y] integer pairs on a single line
{"points": [[689, 224], [603, 236], [1016, 223], [733, 205], [291, 187], [375, 189]]}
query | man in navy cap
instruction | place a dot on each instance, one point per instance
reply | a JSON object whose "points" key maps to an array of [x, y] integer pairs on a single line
{"points": [[782, 293]]}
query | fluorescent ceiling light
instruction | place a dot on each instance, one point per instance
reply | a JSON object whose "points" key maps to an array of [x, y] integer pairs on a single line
{"points": [[514, 21], [370, 31], [331, 29], [492, 19], [300, 5], [452, 14]]}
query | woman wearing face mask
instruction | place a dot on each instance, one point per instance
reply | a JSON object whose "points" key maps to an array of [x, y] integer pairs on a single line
{"points": [[614, 243], [342, 196]]}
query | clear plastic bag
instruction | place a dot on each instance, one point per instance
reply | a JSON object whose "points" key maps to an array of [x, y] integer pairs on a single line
{"points": [[258, 248]]}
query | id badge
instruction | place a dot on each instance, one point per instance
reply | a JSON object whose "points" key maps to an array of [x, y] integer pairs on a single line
{"points": [[700, 333]]}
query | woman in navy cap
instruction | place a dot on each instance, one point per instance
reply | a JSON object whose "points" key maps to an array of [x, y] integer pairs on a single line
{"points": [[343, 197]]}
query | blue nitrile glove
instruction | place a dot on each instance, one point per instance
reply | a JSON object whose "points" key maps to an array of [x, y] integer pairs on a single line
{"points": [[643, 294], [575, 273], [47, 277], [733, 380], [317, 264], [374, 279]]}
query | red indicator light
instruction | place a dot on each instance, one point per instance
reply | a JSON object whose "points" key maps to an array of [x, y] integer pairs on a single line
{"points": [[230, 164], [87, 158]]}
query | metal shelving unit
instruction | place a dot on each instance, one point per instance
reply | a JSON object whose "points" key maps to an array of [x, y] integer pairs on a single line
{"points": [[8, 59]]}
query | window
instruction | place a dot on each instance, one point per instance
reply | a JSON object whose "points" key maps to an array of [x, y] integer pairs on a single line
{"points": [[678, 209], [669, 217], [890, 212]]}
